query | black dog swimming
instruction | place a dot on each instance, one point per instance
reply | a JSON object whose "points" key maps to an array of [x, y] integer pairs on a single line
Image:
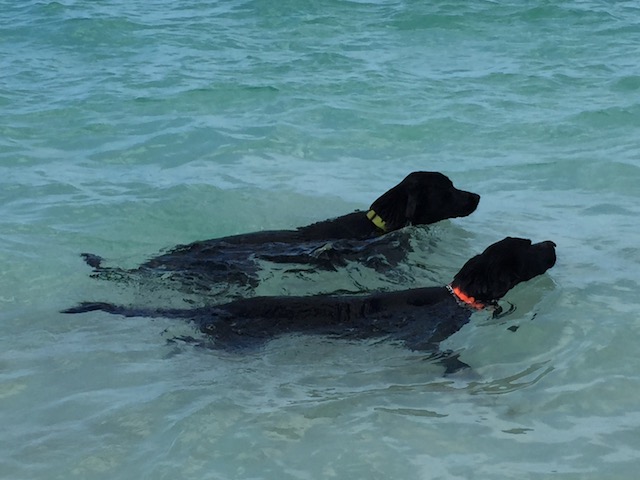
{"points": [[422, 198], [420, 318]]}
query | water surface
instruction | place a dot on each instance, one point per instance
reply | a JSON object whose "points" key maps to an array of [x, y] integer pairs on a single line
{"points": [[129, 127]]}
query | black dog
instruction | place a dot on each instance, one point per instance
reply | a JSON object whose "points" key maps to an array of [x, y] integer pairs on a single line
{"points": [[422, 198], [420, 318]]}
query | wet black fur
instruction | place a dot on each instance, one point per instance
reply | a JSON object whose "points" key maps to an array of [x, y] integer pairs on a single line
{"points": [[422, 198], [420, 318]]}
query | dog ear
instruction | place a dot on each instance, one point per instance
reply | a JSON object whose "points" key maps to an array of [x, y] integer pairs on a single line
{"points": [[392, 207], [491, 274], [483, 278], [411, 205], [398, 206]]}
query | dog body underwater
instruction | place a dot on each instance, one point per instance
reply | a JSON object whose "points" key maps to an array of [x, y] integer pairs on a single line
{"points": [[420, 318], [422, 198]]}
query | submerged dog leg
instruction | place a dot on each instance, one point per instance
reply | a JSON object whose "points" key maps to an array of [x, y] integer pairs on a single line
{"points": [[112, 274], [94, 261]]}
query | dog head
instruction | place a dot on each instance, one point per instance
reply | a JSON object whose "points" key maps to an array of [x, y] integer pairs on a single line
{"points": [[489, 276], [423, 198]]}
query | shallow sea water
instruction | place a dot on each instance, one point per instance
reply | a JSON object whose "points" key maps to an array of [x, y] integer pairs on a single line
{"points": [[129, 127]]}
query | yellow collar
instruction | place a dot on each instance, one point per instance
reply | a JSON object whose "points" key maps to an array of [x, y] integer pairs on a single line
{"points": [[377, 220]]}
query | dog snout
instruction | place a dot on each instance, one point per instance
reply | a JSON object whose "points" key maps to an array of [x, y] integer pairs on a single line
{"points": [[549, 249]]}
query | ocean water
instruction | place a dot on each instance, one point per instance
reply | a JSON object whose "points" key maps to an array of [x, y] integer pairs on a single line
{"points": [[129, 127]]}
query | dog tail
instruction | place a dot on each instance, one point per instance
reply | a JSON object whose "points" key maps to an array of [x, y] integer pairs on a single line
{"points": [[85, 307], [125, 311]]}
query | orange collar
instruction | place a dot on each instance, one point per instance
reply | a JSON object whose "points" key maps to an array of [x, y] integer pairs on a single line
{"points": [[465, 299]]}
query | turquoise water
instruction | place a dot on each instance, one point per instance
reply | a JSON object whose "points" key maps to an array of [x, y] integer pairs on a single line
{"points": [[129, 127]]}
